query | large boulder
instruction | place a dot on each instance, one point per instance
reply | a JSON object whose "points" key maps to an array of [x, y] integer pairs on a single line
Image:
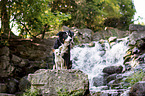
{"points": [[138, 89], [55, 82], [113, 69]]}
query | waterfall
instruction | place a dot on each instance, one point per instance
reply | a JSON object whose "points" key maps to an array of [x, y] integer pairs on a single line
{"points": [[92, 60]]}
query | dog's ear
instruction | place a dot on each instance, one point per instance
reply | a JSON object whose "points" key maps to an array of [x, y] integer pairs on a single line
{"points": [[60, 34]]}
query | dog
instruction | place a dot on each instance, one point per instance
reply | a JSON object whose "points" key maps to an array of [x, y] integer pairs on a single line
{"points": [[63, 43], [59, 61]]}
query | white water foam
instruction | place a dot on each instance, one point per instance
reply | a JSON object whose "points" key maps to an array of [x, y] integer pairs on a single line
{"points": [[92, 60]]}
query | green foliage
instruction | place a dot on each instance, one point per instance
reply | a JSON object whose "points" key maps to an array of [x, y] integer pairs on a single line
{"points": [[96, 14], [136, 77], [34, 17], [72, 93], [29, 92]]}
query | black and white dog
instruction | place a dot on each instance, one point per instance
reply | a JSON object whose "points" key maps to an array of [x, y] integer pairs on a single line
{"points": [[62, 45]]}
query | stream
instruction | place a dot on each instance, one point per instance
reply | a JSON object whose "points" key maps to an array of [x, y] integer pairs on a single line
{"points": [[92, 59]]}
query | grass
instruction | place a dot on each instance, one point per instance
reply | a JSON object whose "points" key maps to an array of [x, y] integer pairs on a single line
{"points": [[30, 92], [136, 77]]}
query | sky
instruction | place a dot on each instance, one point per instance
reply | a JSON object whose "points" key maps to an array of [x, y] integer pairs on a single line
{"points": [[140, 10]]}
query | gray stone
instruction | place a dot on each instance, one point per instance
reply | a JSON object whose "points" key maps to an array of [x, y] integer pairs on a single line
{"points": [[98, 81], [3, 88], [113, 69], [6, 94], [54, 82], [4, 51], [135, 36], [112, 39], [12, 85], [17, 61], [111, 77], [136, 27], [24, 84], [138, 89]]}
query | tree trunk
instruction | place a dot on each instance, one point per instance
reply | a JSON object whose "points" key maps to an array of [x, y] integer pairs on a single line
{"points": [[5, 19]]}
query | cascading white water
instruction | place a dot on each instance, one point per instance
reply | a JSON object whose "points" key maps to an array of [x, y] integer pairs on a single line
{"points": [[92, 60]]}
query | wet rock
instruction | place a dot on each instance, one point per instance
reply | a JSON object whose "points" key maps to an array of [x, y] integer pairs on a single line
{"points": [[112, 39], [92, 44], [135, 36], [138, 89], [98, 81], [53, 82], [111, 77], [135, 50], [113, 69]]}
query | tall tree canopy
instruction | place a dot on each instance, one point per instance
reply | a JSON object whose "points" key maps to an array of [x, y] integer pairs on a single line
{"points": [[96, 14], [34, 17]]}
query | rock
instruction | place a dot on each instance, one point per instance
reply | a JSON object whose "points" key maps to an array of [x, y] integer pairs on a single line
{"points": [[113, 69], [5, 67], [55, 82], [135, 50], [3, 88], [112, 39], [65, 28], [4, 51], [5, 94], [84, 35], [4, 62], [17, 61], [97, 36], [92, 44], [138, 89], [136, 27], [111, 77], [98, 81], [135, 36], [141, 58], [24, 84], [12, 85]]}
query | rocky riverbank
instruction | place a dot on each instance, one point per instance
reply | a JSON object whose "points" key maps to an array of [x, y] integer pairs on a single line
{"points": [[26, 64]]}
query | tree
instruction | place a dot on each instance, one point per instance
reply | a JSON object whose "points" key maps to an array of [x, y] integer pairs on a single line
{"points": [[96, 14], [4, 17], [34, 17]]}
